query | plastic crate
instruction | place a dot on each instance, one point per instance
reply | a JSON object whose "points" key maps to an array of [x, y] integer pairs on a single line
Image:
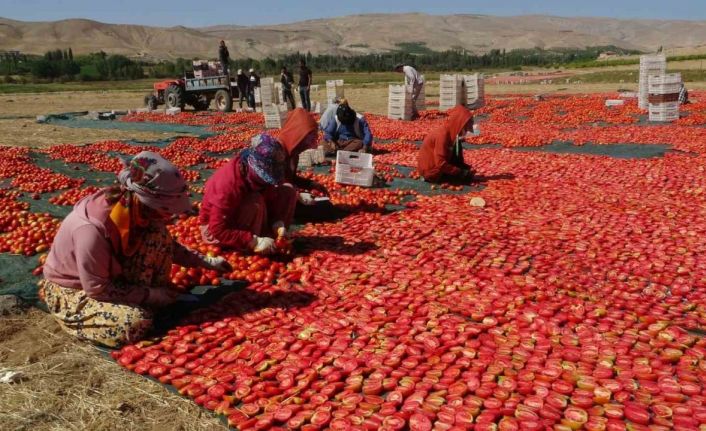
{"points": [[275, 116], [355, 169], [664, 84], [309, 158], [668, 111]]}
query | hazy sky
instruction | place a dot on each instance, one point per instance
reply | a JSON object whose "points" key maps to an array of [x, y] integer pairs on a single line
{"points": [[192, 13]]}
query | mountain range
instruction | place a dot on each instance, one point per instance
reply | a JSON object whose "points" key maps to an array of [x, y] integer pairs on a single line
{"points": [[350, 35]]}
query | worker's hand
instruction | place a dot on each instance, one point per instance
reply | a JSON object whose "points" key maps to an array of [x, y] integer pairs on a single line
{"points": [[264, 245], [217, 263], [306, 199], [160, 297], [367, 150]]}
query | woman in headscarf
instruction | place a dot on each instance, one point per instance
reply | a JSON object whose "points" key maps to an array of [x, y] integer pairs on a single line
{"points": [[441, 156], [244, 207], [299, 133], [109, 266]]}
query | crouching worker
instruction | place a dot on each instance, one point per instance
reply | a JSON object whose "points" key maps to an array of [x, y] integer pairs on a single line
{"points": [[440, 159], [109, 267], [349, 131], [244, 206]]}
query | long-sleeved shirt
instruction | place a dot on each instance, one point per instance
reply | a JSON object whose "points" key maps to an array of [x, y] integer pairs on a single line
{"points": [[243, 83], [287, 80], [224, 204], [223, 55], [411, 76], [83, 255], [335, 131], [439, 154]]}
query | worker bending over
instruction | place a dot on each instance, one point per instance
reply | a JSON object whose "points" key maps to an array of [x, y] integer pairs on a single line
{"points": [[109, 267], [414, 79], [348, 131], [440, 159], [244, 205]]}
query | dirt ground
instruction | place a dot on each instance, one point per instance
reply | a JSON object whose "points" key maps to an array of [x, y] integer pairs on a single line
{"points": [[18, 113]]}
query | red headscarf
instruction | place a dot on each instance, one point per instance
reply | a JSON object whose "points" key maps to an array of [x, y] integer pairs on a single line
{"points": [[459, 116], [298, 125]]}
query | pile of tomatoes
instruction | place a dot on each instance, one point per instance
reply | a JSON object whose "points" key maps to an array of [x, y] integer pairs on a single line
{"points": [[567, 301], [27, 233], [70, 197], [251, 268], [197, 119]]}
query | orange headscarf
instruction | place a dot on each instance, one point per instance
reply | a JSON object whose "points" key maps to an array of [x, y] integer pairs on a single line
{"points": [[298, 125], [459, 116]]}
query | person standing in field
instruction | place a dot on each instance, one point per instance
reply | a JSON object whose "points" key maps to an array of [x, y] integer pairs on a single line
{"points": [[305, 79], [243, 83], [413, 79], [253, 82], [287, 80], [224, 57]]}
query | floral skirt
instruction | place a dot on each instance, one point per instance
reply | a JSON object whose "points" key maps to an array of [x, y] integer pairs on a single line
{"points": [[113, 324]]}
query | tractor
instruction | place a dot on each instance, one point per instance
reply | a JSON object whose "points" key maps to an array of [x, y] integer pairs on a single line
{"points": [[195, 91]]}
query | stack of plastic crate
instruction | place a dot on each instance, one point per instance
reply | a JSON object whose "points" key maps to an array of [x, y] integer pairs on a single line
{"points": [[399, 103], [450, 91], [474, 90], [275, 116], [334, 89], [653, 64], [267, 92], [663, 97]]}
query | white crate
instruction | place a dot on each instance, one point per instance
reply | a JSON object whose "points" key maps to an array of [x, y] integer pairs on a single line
{"points": [[312, 157], [354, 168], [334, 89], [669, 83], [399, 102], [652, 64], [275, 116], [614, 102], [668, 111]]}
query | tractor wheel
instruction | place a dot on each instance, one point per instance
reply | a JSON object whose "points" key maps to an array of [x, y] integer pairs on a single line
{"points": [[201, 103], [175, 97], [224, 102]]}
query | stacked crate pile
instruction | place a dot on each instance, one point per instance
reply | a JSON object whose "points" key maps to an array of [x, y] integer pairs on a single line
{"points": [[334, 89], [474, 90], [267, 92], [653, 64], [450, 91], [275, 115], [663, 97], [399, 103]]}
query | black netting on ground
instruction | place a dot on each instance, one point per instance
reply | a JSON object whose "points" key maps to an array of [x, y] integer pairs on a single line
{"points": [[79, 120]]}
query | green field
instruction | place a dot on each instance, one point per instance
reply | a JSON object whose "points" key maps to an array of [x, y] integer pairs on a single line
{"points": [[54, 87], [632, 76]]}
